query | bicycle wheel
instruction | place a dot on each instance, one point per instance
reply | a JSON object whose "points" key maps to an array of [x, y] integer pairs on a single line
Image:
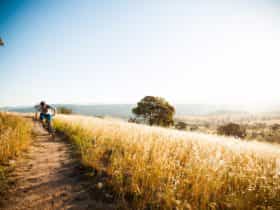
{"points": [[50, 129]]}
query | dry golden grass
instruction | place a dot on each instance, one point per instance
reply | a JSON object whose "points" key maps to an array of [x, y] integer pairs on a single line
{"points": [[15, 136], [157, 168]]}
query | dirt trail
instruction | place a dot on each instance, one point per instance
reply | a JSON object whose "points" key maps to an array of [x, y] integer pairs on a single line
{"points": [[48, 177]]}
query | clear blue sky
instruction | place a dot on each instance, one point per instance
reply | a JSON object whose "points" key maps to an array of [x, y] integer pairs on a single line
{"points": [[78, 51]]}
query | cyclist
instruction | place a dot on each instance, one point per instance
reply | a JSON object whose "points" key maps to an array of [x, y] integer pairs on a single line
{"points": [[44, 109]]}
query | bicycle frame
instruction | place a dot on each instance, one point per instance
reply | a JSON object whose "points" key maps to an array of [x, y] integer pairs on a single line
{"points": [[47, 124]]}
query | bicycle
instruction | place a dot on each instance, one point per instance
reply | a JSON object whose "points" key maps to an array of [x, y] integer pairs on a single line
{"points": [[47, 124]]}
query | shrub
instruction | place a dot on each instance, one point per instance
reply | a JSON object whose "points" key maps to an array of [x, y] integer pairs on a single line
{"points": [[275, 127], [232, 129], [194, 128], [133, 120], [64, 110], [181, 125]]}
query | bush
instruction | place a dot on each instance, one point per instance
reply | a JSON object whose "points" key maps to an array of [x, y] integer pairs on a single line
{"points": [[232, 129], [194, 128], [181, 125], [133, 120], [64, 110], [275, 127]]}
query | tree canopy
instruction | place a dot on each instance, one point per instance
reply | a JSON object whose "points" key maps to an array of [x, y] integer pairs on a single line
{"points": [[1, 42], [156, 110]]}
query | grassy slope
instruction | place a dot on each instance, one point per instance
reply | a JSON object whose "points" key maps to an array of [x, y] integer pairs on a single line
{"points": [[15, 135], [157, 167]]}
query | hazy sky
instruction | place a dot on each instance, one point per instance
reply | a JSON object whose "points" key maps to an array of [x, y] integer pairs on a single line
{"points": [[77, 51]]}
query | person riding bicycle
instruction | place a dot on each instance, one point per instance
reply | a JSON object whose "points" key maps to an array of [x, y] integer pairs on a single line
{"points": [[44, 108]]}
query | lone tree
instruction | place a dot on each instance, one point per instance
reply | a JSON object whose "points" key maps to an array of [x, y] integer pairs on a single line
{"points": [[156, 110]]}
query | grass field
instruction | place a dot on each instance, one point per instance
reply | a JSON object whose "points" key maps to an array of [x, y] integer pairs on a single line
{"points": [[157, 168], [261, 127], [15, 136]]}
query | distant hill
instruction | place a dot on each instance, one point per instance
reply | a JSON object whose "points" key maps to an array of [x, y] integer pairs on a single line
{"points": [[114, 110], [229, 112], [124, 110]]}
